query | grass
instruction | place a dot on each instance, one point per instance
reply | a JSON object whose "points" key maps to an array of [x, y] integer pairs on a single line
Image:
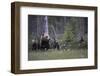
{"points": [[57, 54]]}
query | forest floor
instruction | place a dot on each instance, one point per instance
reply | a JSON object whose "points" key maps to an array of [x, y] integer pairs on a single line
{"points": [[57, 54]]}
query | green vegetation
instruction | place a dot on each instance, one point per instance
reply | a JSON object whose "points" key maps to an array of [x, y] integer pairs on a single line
{"points": [[55, 54], [74, 34]]}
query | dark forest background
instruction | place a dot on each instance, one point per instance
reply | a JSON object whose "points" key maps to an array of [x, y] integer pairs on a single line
{"points": [[64, 29]]}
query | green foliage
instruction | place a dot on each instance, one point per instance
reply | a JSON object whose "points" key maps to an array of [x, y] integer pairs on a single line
{"points": [[69, 32], [70, 36]]}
